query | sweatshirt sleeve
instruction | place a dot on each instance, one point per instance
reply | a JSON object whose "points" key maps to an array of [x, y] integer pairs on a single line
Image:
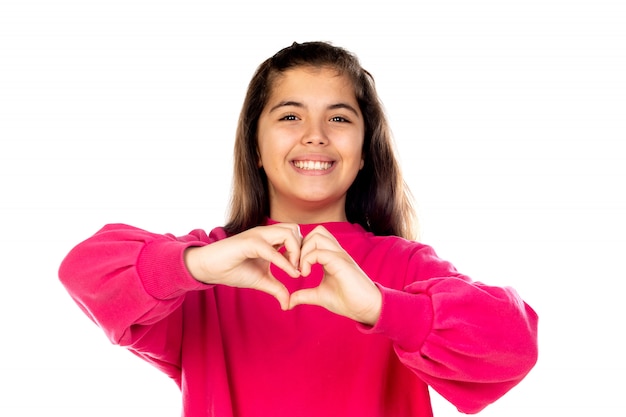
{"points": [[470, 342], [132, 283]]}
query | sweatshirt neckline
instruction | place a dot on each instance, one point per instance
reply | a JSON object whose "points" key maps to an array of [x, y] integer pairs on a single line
{"points": [[332, 227]]}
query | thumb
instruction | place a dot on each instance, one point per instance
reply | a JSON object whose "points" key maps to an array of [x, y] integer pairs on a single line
{"points": [[306, 296], [278, 291]]}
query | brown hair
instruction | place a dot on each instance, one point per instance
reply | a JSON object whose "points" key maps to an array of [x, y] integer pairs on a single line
{"points": [[378, 199]]}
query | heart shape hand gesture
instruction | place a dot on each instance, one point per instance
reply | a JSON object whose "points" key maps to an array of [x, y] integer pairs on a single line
{"points": [[244, 260]]}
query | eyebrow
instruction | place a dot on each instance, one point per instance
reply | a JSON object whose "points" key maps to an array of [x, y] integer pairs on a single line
{"points": [[331, 107]]}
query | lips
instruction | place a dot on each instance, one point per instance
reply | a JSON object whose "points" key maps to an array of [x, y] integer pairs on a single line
{"points": [[313, 165]]}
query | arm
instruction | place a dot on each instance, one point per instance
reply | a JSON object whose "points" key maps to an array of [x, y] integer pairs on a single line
{"points": [[471, 342], [132, 283]]}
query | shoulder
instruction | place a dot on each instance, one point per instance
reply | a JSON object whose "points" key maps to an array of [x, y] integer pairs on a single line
{"points": [[359, 241]]}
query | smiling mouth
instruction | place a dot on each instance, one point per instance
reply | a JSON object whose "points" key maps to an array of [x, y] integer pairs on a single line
{"points": [[313, 165]]}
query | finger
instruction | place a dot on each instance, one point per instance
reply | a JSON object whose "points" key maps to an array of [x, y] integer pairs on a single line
{"points": [[292, 244], [312, 245], [319, 238], [308, 296], [270, 254], [285, 235], [324, 257], [274, 288], [265, 241], [321, 231]]}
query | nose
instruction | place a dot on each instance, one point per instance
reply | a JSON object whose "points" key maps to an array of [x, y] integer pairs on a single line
{"points": [[315, 134]]}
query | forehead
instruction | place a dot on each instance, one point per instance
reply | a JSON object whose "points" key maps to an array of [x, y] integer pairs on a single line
{"points": [[312, 80]]}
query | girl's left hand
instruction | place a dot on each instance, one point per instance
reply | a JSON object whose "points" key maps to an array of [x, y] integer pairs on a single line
{"points": [[345, 289]]}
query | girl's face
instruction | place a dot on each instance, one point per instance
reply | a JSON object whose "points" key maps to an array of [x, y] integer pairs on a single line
{"points": [[310, 140]]}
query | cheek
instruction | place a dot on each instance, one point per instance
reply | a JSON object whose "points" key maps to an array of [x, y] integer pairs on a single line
{"points": [[269, 159], [262, 152]]}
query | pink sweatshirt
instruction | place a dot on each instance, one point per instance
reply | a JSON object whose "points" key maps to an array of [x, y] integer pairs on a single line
{"points": [[234, 352]]}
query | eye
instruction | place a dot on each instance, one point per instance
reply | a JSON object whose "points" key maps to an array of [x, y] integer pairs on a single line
{"points": [[339, 119], [289, 117]]}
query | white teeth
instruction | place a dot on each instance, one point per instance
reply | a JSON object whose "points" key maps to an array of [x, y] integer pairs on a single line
{"points": [[313, 165]]}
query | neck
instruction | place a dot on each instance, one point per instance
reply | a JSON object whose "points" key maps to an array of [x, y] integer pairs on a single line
{"points": [[302, 215]]}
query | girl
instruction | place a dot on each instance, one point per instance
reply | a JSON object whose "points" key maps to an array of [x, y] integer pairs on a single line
{"points": [[313, 299]]}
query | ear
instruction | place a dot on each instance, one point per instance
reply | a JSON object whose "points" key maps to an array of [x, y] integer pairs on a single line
{"points": [[362, 164], [259, 162]]}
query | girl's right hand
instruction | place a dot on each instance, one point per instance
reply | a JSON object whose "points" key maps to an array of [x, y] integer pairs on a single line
{"points": [[243, 260]]}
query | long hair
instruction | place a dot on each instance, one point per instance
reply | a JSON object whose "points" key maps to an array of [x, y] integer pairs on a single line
{"points": [[378, 199]]}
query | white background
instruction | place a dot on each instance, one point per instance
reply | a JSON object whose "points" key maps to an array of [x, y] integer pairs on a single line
{"points": [[510, 120]]}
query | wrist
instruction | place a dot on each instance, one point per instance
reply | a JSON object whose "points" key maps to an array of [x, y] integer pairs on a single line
{"points": [[371, 315], [192, 260]]}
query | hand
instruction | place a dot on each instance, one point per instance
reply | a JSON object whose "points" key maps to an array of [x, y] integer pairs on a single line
{"points": [[243, 260], [345, 289]]}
